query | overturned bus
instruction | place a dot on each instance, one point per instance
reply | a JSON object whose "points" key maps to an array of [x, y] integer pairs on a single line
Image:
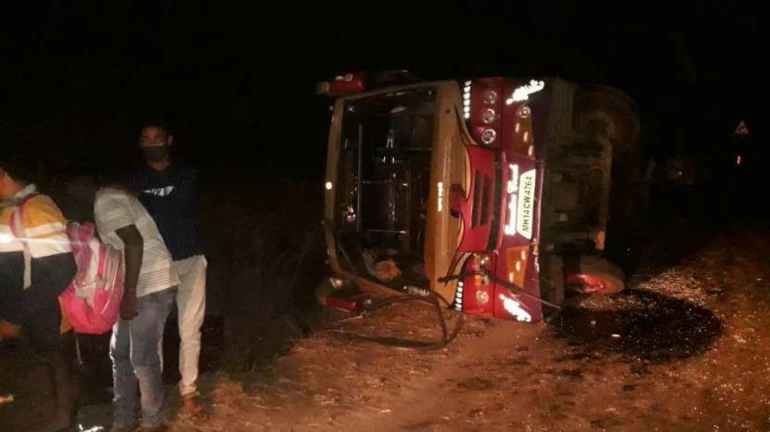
{"points": [[492, 193]]}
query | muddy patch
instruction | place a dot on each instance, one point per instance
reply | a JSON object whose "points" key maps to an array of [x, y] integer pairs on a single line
{"points": [[642, 324]]}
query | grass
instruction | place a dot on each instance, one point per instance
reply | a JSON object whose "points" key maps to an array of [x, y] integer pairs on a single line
{"points": [[266, 256]]}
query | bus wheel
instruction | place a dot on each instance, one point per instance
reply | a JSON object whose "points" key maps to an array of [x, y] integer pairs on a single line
{"points": [[597, 277]]}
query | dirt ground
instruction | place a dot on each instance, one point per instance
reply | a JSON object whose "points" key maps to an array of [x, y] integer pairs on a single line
{"points": [[685, 348]]}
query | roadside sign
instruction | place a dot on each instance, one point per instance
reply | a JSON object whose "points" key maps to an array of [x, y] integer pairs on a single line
{"points": [[742, 129]]}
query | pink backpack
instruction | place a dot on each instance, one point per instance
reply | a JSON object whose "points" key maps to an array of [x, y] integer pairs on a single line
{"points": [[91, 302]]}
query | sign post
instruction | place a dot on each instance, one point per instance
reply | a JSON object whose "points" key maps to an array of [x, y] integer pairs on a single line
{"points": [[740, 132]]}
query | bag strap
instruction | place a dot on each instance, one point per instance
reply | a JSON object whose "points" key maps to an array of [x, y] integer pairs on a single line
{"points": [[17, 229]]}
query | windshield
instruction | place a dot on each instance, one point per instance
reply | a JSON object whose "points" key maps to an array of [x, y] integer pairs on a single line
{"points": [[384, 171]]}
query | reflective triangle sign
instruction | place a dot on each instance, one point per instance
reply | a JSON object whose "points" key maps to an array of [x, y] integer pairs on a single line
{"points": [[742, 129]]}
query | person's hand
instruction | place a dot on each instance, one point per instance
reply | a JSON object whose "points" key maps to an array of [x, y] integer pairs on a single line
{"points": [[128, 308], [8, 330]]}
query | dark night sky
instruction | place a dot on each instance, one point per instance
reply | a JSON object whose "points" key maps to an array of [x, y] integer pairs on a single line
{"points": [[79, 77]]}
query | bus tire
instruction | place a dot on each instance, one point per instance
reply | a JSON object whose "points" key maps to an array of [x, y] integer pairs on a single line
{"points": [[609, 275]]}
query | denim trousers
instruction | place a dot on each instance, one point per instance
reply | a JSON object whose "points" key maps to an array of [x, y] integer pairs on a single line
{"points": [[135, 361]]}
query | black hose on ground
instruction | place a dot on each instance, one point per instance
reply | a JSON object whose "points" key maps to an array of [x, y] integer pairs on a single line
{"points": [[430, 298], [436, 300]]}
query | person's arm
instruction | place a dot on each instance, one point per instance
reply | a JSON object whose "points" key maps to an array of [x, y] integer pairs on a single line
{"points": [[133, 253], [112, 214]]}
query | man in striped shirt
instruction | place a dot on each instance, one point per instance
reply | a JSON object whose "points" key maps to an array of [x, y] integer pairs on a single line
{"points": [[167, 188], [149, 293], [36, 265]]}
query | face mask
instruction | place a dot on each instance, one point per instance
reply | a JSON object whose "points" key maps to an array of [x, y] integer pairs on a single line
{"points": [[155, 153]]}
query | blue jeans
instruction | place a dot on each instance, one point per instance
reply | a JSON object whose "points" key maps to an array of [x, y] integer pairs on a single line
{"points": [[134, 354]]}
